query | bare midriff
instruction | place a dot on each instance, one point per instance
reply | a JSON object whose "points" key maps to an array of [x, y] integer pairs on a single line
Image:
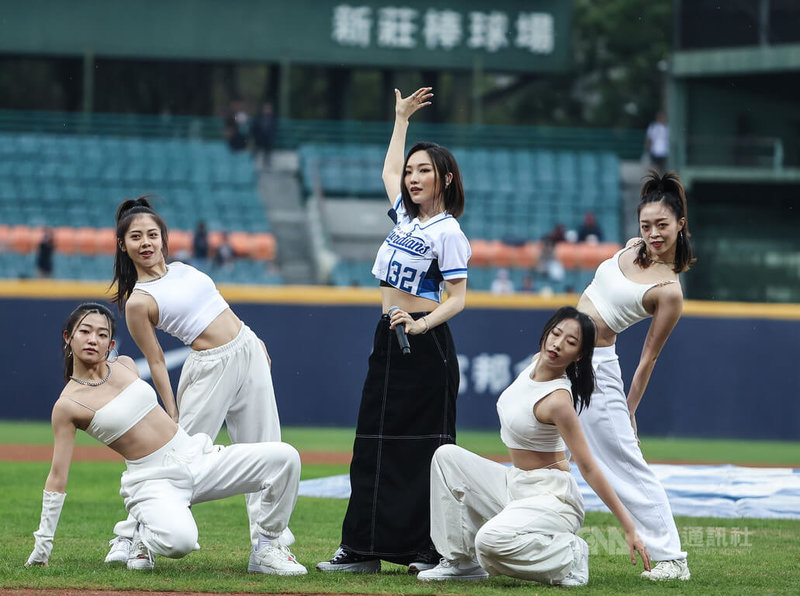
{"points": [[219, 332], [407, 302], [525, 459], [604, 335], [151, 433]]}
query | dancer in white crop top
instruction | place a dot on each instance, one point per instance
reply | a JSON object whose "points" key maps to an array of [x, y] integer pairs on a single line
{"points": [[534, 508], [408, 404], [226, 377], [639, 282], [109, 401]]}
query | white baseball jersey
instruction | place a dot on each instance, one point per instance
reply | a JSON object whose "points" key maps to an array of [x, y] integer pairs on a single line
{"points": [[419, 257]]}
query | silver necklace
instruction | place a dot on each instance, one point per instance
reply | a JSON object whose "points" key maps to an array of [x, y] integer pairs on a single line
{"points": [[652, 260], [147, 281], [93, 383]]}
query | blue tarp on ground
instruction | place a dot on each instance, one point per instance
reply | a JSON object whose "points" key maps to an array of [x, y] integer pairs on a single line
{"points": [[695, 491]]}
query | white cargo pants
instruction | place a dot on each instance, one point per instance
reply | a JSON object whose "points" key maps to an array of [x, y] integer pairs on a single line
{"points": [[532, 515], [609, 433], [159, 488]]}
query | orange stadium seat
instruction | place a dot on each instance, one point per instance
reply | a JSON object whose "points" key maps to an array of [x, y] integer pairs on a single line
{"points": [[86, 240], [529, 255], [567, 254], [480, 253], [241, 243], [24, 239], [263, 246], [65, 240], [180, 241], [502, 255], [593, 254], [214, 240], [105, 240]]}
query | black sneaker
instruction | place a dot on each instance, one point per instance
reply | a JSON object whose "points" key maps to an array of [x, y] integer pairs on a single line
{"points": [[424, 560], [345, 560]]}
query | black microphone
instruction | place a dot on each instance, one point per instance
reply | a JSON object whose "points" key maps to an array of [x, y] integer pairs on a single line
{"points": [[400, 332]]}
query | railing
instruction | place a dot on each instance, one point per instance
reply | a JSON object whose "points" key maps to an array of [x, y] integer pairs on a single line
{"points": [[626, 143], [758, 152]]}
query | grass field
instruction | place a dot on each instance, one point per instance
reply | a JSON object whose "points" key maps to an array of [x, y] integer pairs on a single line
{"points": [[727, 556]]}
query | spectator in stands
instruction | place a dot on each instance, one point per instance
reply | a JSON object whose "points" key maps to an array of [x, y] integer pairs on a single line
{"points": [[502, 283], [224, 255], [158, 487], [656, 142], [200, 244], [226, 377], [638, 282], [408, 404], [556, 235], [527, 284], [533, 509], [44, 254], [263, 129], [237, 126], [590, 229]]}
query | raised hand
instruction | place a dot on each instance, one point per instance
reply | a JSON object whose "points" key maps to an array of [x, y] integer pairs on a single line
{"points": [[405, 106]]}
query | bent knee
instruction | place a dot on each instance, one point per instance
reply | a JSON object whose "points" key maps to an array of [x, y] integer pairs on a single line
{"points": [[446, 453], [173, 544], [287, 454]]}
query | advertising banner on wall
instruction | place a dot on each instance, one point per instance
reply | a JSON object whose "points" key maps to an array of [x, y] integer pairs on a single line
{"points": [[709, 381]]}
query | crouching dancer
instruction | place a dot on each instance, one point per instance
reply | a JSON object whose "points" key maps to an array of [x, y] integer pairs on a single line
{"points": [[167, 470], [534, 509]]}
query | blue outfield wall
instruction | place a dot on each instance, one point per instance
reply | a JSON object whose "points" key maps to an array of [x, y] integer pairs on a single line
{"points": [[720, 375]]}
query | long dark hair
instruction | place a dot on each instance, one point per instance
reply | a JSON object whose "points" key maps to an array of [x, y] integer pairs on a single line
{"points": [[73, 320], [668, 189], [580, 373], [124, 269], [443, 162]]}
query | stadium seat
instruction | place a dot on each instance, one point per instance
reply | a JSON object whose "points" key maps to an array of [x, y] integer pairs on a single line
{"points": [[263, 246], [65, 240], [24, 238], [480, 253], [106, 241], [180, 241], [567, 254], [241, 243], [86, 240]]}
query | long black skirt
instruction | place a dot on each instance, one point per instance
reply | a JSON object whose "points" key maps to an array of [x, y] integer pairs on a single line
{"points": [[408, 409]]}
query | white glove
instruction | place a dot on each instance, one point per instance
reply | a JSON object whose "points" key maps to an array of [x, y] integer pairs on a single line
{"points": [[52, 503]]}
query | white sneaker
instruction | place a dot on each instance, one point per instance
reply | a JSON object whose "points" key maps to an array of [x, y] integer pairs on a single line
{"points": [[668, 570], [120, 550], [579, 573], [274, 559], [286, 538], [140, 557], [461, 570]]}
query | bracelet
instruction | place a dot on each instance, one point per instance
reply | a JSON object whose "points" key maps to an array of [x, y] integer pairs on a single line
{"points": [[427, 327]]}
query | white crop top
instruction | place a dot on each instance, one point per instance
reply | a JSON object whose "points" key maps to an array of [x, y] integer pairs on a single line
{"points": [[419, 257], [618, 300], [122, 413], [519, 428], [187, 299]]}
